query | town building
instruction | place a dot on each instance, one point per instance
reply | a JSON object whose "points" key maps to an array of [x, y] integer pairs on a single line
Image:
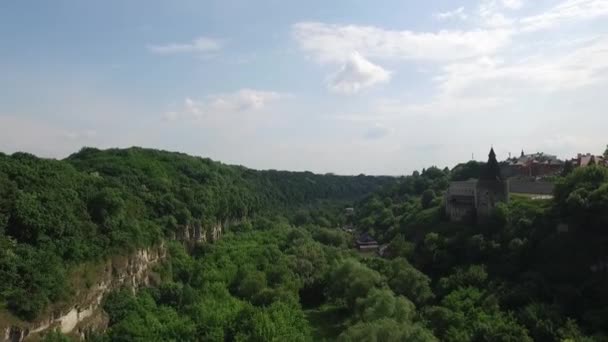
{"points": [[583, 160], [531, 165], [366, 243]]}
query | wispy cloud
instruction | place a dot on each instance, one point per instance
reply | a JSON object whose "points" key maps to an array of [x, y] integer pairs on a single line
{"points": [[355, 49], [244, 100], [458, 13], [567, 11], [463, 58], [198, 45], [513, 4], [336, 43], [584, 65]]}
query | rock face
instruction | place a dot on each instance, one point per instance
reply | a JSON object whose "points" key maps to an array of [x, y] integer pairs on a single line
{"points": [[197, 233], [132, 271]]}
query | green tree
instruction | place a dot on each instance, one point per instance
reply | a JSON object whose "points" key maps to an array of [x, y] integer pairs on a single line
{"points": [[382, 303], [469, 170], [427, 198], [252, 283], [407, 281], [468, 314], [386, 330], [351, 280], [278, 322], [470, 276]]}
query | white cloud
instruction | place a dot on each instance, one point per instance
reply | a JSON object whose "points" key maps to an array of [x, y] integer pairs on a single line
{"points": [[198, 45], [336, 43], [482, 59], [581, 66], [352, 47], [490, 14], [357, 73], [567, 11], [454, 14], [244, 100], [513, 4]]}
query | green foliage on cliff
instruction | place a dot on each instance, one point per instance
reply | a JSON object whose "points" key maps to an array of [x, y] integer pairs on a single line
{"points": [[284, 272], [56, 214], [264, 285]]}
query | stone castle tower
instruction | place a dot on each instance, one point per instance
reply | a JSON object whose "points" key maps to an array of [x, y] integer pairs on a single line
{"points": [[491, 187], [477, 198]]}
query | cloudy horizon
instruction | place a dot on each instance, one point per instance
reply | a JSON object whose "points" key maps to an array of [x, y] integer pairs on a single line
{"points": [[347, 87]]}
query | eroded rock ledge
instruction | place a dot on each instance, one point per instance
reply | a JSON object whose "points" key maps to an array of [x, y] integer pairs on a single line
{"points": [[132, 271]]}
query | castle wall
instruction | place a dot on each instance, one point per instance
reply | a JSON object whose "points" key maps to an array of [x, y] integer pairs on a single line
{"points": [[490, 193], [460, 200], [528, 187], [459, 212]]}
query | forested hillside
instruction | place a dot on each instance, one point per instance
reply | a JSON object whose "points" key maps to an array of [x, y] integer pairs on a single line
{"points": [[285, 272], [57, 214], [537, 268]]}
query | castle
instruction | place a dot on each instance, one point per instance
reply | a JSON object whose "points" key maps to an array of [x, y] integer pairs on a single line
{"points": [[477, 198]]}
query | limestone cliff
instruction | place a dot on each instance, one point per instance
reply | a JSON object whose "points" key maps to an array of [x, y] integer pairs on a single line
{"points": [[85, 314], [196, 232]]}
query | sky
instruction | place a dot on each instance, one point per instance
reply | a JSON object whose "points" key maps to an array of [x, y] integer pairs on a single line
{"points": [[343, 86]]}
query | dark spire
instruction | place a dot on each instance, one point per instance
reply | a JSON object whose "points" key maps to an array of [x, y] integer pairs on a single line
{"points": [[522, 152], [492, 169]]}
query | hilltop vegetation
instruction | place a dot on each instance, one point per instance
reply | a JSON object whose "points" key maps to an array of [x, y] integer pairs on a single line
{"points": [[57, 214], [285, 272], [548, 283]]}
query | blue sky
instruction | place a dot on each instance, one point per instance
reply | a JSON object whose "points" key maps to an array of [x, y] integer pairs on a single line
{"points": [[378, 87]]}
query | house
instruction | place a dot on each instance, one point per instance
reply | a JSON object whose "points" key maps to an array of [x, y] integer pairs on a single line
{"points": [[583, 160], [348, 228], [531, 165], [366, 243]]}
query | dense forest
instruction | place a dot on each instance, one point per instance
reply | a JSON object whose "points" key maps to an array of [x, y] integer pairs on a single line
{"points": [[56, 214], [516, 277], [285, 272]]}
